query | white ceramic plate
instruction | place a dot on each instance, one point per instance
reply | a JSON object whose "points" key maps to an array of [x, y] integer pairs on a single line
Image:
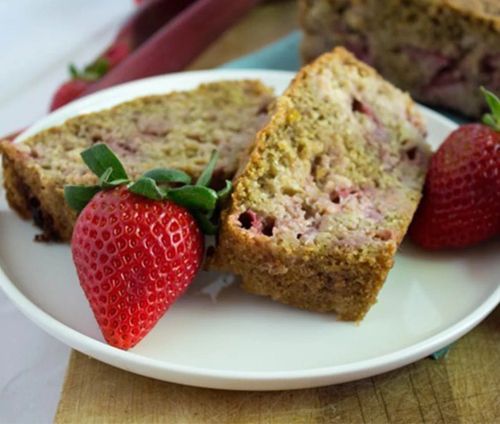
{"points": [[217, 335]]}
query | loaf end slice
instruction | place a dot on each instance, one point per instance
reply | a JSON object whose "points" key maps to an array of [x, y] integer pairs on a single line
{"points": [[177, 130], [333, 181]]}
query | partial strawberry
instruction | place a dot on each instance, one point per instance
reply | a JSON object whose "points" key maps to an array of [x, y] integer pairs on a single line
{"points": [[461, 200], [67, 92], [149, 17], [137, 246], [81, 79]]}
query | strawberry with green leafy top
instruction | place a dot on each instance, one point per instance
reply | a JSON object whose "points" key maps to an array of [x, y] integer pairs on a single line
{"points": [[461, 202], [81, 79], [138, 245]]}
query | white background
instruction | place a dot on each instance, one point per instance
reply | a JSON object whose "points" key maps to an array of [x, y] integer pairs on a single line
{"points": [[38, 38]]}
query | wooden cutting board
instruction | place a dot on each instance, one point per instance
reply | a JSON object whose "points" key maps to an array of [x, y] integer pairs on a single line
{"points": [[463, 388]]}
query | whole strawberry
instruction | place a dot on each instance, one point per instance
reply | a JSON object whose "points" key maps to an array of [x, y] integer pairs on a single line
{"points": [[136, 246], [461, 200]]}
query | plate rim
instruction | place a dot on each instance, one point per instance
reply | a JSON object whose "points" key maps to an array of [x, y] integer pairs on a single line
{"points": [[231, 379], [245, 380]]}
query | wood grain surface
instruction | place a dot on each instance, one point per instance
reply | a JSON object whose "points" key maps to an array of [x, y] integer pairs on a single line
{"points": [[463, 388]]}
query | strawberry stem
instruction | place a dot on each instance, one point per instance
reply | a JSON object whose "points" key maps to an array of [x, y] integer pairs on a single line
{"points": [[492, 119]]}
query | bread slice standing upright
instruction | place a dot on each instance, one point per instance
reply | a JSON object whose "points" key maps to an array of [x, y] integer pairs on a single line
{"points": [[328, 192]]}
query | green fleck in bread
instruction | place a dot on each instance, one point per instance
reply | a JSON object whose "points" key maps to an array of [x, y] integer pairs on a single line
{"points": [[441, 51], [328, 192], [175, 130]]}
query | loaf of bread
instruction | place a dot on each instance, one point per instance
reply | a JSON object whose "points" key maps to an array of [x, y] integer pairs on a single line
{"points": [[177, 130], [441, 51], [328, 192]]}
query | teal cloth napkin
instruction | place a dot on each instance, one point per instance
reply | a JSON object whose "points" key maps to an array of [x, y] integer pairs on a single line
{"points": [[284, 55]]}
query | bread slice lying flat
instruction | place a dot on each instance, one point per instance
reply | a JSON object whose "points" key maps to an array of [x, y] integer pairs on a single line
{"points": [[328, 192], [175, 130]]}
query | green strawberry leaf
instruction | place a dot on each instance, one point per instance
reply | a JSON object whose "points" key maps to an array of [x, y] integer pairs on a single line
{"points": [[96, 70], [147, 187], [73, 71], [114, 183], [77, 197], [206, 176], [99, 158], [196, 198], [492, 119], [92, 72], [223, 193], [206, 226], [167, 175], [106, 182]]}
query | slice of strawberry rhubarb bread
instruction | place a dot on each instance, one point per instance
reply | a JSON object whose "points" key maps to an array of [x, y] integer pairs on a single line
{"points": [[328, 192], [177, 130], [441, 51]]}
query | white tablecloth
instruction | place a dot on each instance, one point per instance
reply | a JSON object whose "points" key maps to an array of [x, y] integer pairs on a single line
{"points": [[38, 38]]}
